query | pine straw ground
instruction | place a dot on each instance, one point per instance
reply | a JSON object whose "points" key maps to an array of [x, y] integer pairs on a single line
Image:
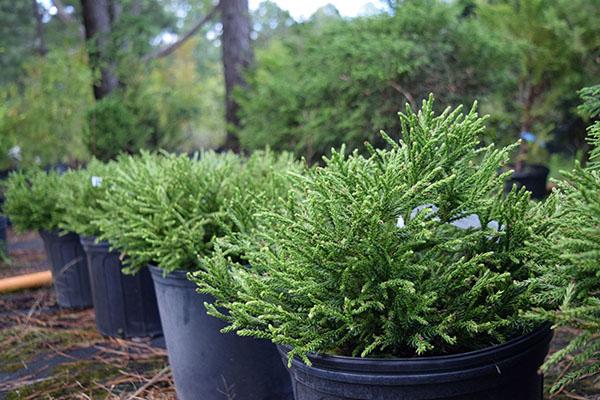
{"points": [[49, 353]]}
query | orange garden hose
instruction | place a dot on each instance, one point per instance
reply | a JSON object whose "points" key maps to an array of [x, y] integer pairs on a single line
{"points": [[26, 281]]}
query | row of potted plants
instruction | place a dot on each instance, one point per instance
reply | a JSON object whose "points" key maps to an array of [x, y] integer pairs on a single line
{"points": [[405, 273]]}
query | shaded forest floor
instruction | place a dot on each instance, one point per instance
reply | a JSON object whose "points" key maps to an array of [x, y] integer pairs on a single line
{"points": [[51, 353]]}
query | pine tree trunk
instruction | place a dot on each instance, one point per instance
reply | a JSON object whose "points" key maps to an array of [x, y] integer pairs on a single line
{"points": [[237, 57], [40, 42], [97, 19]]}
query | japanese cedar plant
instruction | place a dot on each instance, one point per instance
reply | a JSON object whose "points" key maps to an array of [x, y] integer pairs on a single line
{"points": [[167, 210], [82, 191], [576, 237], [32, 200], [161, 208], [373, 256]]}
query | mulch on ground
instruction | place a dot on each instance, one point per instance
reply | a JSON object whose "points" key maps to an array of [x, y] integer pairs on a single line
{"points": [[26, 254], [52, 353]]}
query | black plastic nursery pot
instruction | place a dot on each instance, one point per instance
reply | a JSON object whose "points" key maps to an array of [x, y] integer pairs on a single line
{"points": [[3, 224], [505, 372], [69, 269], [207, 364], [125, 305], [534, 177]]}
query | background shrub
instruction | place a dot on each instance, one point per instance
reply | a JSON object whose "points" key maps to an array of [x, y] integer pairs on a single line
{"points": [[343, 82]]}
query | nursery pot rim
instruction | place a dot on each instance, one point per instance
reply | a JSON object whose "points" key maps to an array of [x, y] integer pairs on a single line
{"points": [[492, 360], [530, 169], [177, 277], [91, 240]]}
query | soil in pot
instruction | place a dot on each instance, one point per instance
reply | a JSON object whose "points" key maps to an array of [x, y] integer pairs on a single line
{"points": [[125, 305], [534, 177], [69, 269], [503, 372], [207, 364]]}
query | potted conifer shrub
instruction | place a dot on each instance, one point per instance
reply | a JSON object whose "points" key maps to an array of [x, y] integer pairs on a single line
{"points": [[165, 210], [575, 239], [125, 305], [32, 203], [399, 275]]}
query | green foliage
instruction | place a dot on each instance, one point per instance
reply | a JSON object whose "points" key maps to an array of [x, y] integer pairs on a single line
{"points": [[32, 200], [7, 141], [163, 209], [17, 27], [113, 129], [341, 81], [576, 239], [167, 209], [368, 257], [46, 111], [80, 197], [555, 42], [158, 109]]}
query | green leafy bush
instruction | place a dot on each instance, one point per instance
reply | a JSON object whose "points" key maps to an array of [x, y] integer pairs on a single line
{"points": [[158, 108], [342, 82], [80, 198], [167, 209], [46, 110], [32, 200], [412, 250], [576, 239], [162, 208]]}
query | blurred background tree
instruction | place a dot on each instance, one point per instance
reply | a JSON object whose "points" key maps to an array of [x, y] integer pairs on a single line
{"points": [[82, 78]]}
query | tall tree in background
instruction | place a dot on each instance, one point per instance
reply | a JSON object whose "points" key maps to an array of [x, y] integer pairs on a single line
{"points": [[40, 44], [237, 57], [98, 18]]}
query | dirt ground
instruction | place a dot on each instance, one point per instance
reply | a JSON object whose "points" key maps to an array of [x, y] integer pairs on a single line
{"points": [[50, 353]]}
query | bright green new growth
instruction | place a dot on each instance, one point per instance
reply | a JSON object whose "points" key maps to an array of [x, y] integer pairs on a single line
{"points": [[352, 267], [32, 200], [82, 191], [577, 239], [161, 208], [167, 210]]}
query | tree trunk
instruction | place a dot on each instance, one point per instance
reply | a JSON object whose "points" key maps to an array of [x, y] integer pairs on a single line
{"points": [[237, 57], [97, 19], [40, 42]]}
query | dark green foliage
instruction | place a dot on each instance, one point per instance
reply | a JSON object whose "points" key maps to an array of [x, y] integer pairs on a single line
{"points": [[576, 239], [113, 129], [142, 116], [82, 191], [333, 270], [556, 43], [32, 200], [591, 108], [341, 82]]}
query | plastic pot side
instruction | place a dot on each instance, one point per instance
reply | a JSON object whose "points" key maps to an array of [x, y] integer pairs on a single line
{"points": [[534, 177], [503, 372], [69, 269], [3, 243], [207, 364], [125, 305]]}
